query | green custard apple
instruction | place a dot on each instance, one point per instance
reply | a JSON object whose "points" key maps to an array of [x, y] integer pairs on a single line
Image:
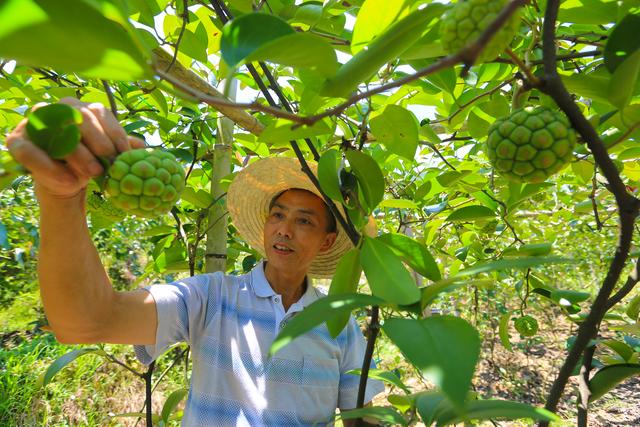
{"points": [[526, 325], [530, 144], [145, 182], [467, 19]]}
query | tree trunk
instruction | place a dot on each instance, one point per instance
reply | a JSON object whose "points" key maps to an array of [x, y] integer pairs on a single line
{"points": [[216, 256]]}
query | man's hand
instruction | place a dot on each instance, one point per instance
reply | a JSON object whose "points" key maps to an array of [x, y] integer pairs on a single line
{"points": [[102, 136]]}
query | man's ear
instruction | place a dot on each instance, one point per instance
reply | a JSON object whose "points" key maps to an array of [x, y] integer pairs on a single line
{"points": [[329, 240]]}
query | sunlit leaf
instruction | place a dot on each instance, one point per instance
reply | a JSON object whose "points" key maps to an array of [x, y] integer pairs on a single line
{"points": [[317, 313], [454, 348], [88, 37], [388, 278]]}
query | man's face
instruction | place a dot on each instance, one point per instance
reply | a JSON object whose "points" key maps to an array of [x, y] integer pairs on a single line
{"points": [[296, 231]]}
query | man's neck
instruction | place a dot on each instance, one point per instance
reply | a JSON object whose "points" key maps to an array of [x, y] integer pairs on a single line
{"points": [[290, 285]]}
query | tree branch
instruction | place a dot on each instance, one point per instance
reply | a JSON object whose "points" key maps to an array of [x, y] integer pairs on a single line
{"points": [[188, 78], [627, 204]]}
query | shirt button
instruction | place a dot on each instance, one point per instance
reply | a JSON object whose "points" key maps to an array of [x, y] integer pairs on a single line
{"points": [[277, 299], [283, 324]]}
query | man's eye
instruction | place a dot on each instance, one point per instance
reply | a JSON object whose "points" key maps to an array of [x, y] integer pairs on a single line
{"points": [[304, 221], [277, 215]]}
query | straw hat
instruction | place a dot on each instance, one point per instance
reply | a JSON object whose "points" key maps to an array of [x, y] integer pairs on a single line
{"points": [[249, 197]]}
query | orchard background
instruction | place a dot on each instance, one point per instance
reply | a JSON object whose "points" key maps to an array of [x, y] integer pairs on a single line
{"points": [[462, 256]]}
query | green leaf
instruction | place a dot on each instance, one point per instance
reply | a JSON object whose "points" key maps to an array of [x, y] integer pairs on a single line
{"points": [[328, 174], [431, 292], [172, 402], [413, 253], [503, 330], [495, 409], [583, 170], [453, 350], [63, 361], [299, 50], [506, 264], [568, 297], [588, 86], [246, 34], [588, 11], [387, 415], [345, 281], [470, 213], [317, 313], [373, 19], [623, 79], [530, 249], [397, 128], [387, 277], [159, 230], [92, 38], [283, 130], [622, 349], [622, 42], [369, 176], [200, 198], [386, 376], [386, 47], [398, 204], [610, 376], [430, 405], [634, 307], [55, 128]]}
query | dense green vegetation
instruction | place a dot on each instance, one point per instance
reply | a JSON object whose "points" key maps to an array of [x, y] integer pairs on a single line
{"points": [[463, 256]]}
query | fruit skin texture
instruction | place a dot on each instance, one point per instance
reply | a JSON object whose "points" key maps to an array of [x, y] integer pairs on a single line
{"points": [[530, 144], [145, 182], [466, 20], [526, 325]]}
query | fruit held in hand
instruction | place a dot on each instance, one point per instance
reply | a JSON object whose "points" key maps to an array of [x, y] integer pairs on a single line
{"points": [[145, 182], [55, 128], [467, 19], [531, 144], [527, 326]]}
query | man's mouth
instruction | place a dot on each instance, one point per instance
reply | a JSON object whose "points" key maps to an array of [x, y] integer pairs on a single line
{"points": [[282, 248]]}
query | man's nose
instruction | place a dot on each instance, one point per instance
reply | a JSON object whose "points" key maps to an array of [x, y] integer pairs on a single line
{"points": [[285, 229]]}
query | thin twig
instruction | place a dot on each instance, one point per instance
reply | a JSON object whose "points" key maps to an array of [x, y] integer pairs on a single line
{"points": [[592, 196], [533, 80], [474, 99], [112, 99], [176, 46]]}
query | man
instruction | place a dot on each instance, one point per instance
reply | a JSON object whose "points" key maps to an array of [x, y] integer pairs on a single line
{"points": [[229, 321]]}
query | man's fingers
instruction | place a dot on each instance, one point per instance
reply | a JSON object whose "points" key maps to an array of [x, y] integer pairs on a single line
{"points": [[43, 167], [93, 135], [111, 126], [136, 142], [38, 105], [83, 162]]}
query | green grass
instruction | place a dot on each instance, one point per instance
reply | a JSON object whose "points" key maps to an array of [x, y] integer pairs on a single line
{"points": [[85, 393]]}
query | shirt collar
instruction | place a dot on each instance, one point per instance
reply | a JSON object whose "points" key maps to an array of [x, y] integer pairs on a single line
{"points": [[259, 281], [263, 289]]}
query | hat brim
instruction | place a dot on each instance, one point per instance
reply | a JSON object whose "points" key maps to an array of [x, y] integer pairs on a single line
{"points": [[251, 192]]}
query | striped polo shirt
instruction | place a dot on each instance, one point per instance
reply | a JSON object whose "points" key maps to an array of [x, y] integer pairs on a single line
{"points": [[230, 323]]}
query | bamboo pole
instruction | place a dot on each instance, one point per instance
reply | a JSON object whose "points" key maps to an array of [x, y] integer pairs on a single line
{"points": [[216, 255]]}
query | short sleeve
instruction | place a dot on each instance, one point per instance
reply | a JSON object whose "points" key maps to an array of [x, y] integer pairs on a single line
{"points": [[352, 357], [183, 308]]}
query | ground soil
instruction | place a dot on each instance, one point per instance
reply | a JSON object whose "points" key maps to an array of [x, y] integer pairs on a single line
{"points": [[526, 373]]}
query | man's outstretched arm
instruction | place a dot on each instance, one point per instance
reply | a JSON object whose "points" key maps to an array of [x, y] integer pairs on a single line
{"points": [[79, 301]]}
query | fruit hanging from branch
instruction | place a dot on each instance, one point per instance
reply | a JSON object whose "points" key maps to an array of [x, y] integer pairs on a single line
{"points": [[530, 144], [467, 19]]}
